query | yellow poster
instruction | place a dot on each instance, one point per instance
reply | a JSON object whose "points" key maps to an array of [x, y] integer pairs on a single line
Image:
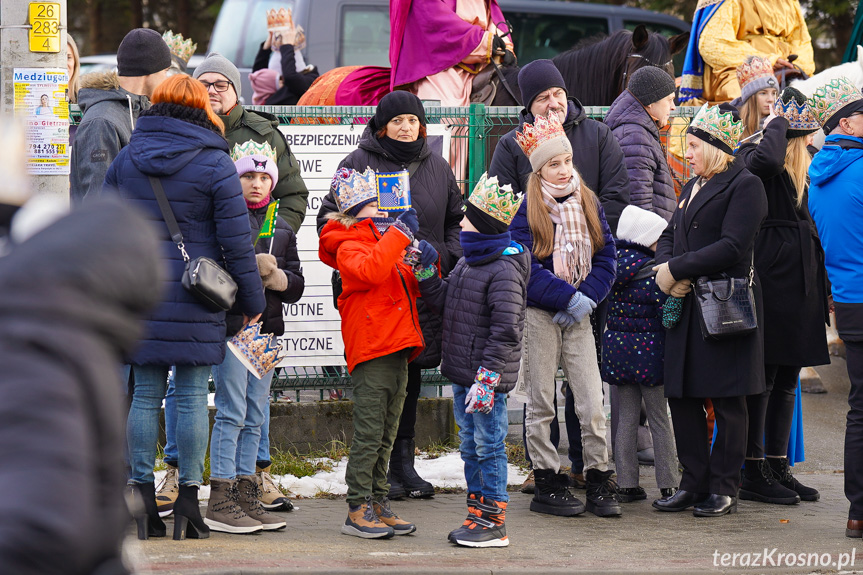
{"points": [[40, 100]]}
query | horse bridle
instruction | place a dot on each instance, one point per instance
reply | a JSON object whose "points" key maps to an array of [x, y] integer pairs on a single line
{"points": [[649, 63]]}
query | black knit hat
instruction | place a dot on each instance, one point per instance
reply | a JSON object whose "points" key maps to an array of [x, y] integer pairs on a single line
{"points": [[537, 77], [483, 222], [650, 84], [142, 52], [395, 104]]}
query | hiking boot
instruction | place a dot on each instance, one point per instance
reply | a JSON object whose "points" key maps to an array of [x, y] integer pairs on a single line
{"points": [[402, 469], [250, 503], [602, 499], [552, 495], [782, 473], [576, 480], [630, 494], [529, 484], [167, 492], [760, 485], [472, 500], [397, 490], [487, 529], [224, 512], [363, 522], [386, 515], [272, 497]]}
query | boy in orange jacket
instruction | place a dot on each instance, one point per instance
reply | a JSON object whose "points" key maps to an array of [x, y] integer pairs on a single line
{"points": [[380, 328]]}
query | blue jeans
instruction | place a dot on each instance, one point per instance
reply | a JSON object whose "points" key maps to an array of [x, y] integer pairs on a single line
{"points": [[482, 445], [264, 445], [171, 456], [142, 427], [241, 400]]}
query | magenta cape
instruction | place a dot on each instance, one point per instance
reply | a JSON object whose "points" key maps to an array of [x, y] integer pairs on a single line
{"points": [[365, 86], [427, 37]]}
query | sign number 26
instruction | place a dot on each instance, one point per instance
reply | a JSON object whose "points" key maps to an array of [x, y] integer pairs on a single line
{"points": [[45, 27]]}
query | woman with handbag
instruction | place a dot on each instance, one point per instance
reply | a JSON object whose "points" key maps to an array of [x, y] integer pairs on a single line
{"points": [[709, 243], [790, 264], [178, 151]]}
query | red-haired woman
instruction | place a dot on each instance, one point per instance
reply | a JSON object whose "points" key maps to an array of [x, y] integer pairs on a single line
{"points": [[180, 141]]}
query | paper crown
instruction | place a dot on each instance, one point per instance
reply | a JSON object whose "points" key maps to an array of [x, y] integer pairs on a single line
{"points": [[182, 49], [791, 105], [719, 126], [252, 148], [497, 201], [281, 18], [353, 187], [753, 68], [258, 352], [543, 130], [832, 97]]}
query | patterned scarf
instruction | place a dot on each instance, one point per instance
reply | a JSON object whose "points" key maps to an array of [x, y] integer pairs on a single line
{"points": [[573, 252]]}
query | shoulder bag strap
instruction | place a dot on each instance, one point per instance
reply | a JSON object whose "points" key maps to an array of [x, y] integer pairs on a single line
{"points": [[168, 216], [412, 167]]}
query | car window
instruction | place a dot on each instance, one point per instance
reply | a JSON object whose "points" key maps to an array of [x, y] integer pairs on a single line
{"points": [[250, 17], [365, 36], [668, 32], [539, 36]]}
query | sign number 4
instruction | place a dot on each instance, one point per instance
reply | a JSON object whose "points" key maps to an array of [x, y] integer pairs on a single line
{"points": [[45, 27]]}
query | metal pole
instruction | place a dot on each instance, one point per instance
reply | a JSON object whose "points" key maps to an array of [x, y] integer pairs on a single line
{"points": [[15, 53]]}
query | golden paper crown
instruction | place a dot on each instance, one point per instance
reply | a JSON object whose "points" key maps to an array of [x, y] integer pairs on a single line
{"points": [[832, 97], [497, 201], [281, 18], [256, 350], [543, 130], [182, 49], [791, 105], [718, 125], [753, 68], [353, 187], [253, 148]]}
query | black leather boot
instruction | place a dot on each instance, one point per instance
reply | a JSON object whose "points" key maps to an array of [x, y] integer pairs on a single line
{"points": [[602, 497], [760, 485], [397, 490], [715, 506], [402, 469], [782, 473], [551, 495], [145, 511], [187, 515], [679, 501]]}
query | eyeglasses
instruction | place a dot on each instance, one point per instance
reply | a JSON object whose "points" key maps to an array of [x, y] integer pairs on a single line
{"points": [[219, 85]]}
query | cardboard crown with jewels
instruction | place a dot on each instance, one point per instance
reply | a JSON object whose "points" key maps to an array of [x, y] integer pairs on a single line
{"points": [[791, 105], [543, 130], [829, 100], [258, 352], [755, 68], [180, 47], [352, 187], [253, 148], [717, 127], [497, 201]]}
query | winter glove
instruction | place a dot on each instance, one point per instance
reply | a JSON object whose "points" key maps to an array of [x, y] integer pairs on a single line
{"points": [[664, 279], [671, 311], [276, 281], [580, 306], [407, 223], [266, 264], [563, 319], [498, 48], [429, 255], [681, 288], [480, 397]]}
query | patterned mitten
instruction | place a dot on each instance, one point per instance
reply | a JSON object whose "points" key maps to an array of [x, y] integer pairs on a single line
{"points": [[480, 397]]}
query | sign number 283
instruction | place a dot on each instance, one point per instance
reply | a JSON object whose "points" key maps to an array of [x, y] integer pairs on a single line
{"points": [[45, 31]]}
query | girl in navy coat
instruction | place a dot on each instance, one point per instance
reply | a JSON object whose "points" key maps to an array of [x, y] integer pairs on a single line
{"points": [[573, 267]]}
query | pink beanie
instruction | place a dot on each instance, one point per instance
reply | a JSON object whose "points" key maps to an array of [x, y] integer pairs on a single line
{"points": [[258, 163], [264, 82]]}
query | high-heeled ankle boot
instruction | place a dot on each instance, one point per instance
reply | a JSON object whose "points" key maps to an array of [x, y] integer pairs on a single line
{"points": [[187, 515], [145, 511]]}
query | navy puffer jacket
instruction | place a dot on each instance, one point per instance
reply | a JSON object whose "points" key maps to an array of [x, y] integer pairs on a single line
{"points": [[633, 345], [483, 305], [205, 194], [650, 183], [549, 292]]}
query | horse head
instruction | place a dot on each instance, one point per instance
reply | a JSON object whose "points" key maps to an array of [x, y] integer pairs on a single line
{"points": [[652, 49]]}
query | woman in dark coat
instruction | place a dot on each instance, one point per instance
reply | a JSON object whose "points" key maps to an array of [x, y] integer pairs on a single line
{"points": [[395, 139], [712, 232], [179, 140], [790, 264]]}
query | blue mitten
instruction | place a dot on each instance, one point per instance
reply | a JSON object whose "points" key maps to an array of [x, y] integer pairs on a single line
{"points": [[429, 255], [407, 223], [563, 319], [580, 306], [480, 397]]}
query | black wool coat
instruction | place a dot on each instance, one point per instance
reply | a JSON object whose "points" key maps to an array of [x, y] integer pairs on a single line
{"points": [[715, 235], [789, 260], [437, 199], [483, 316]]}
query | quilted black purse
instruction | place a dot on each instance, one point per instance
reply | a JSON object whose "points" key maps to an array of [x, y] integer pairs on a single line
{"points": [[726, 306]]}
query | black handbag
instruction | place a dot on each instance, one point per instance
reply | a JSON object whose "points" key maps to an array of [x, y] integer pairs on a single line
{"points": [[726, 306], [203, 278]]}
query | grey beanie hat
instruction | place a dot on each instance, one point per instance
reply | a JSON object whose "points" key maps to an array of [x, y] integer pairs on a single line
{"points": [[218, 64], [650, 84], [142, 52]]}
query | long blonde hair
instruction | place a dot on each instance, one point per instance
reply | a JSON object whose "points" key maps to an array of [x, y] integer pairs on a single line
{"points": [[797, 160], [541, 226], [76, 69], [750, 115]]}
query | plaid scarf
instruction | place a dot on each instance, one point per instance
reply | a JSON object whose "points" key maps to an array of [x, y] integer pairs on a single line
{"points": [[573, 252]]}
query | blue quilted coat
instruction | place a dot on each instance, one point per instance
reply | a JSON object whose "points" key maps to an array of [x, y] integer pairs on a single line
{"points": [[205, 194], [633, 345]]}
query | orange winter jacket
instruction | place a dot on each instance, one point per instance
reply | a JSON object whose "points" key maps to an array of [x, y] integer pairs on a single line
{"points": [[378, 300]]}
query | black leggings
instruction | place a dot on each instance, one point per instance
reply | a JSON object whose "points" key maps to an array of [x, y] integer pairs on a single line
{"points": [[771, 413], [408, 422]]}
